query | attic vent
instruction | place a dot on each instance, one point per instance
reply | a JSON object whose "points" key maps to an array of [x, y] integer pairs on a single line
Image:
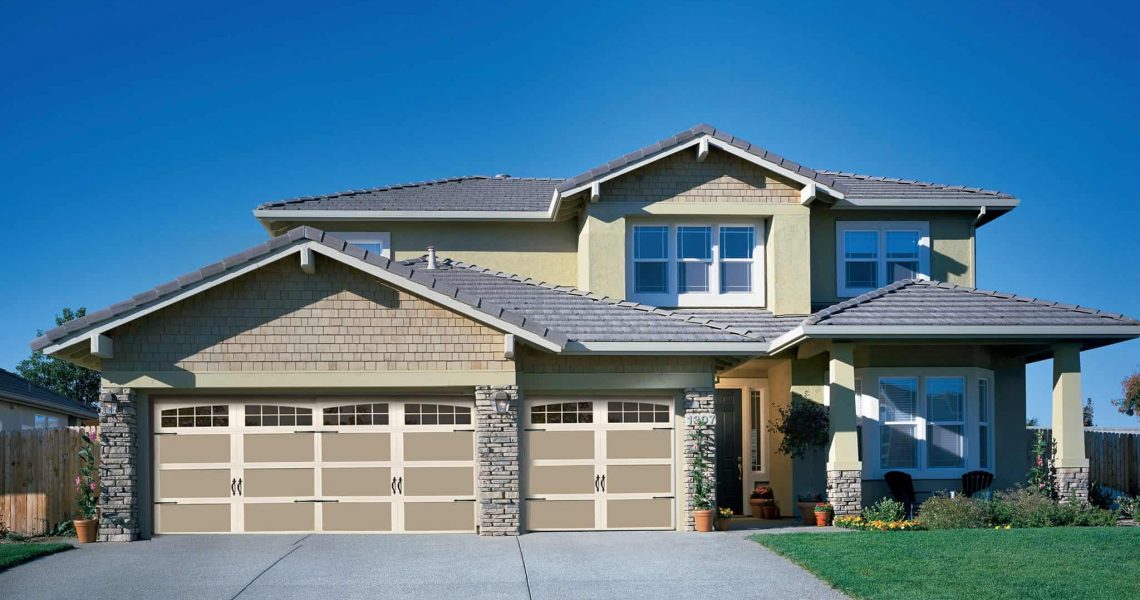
{"points": [[502, 176]]}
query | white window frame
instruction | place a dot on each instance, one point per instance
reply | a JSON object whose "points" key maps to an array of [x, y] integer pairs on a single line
{"points": [[930, 421], [383, 238], [713, 298], [869, 405], [988, 423], [881, 228]]}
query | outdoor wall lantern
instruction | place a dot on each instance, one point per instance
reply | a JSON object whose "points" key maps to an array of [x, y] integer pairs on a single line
{"points": [[502, 402]]}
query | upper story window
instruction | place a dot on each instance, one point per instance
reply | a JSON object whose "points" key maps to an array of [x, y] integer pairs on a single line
{"points": [[871, 254], [699, 264], [375, 242]]}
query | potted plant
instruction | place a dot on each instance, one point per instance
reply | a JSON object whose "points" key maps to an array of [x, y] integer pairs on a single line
{"points": [[723, 514], [806, 503], [87, 491], [803, 427], [823, 514], [761, 497], [703, 491]]}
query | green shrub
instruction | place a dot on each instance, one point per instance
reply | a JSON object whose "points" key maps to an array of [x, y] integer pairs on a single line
{"points": [[885, 510], [944, 512], [1129, 506], [1024, 507]]}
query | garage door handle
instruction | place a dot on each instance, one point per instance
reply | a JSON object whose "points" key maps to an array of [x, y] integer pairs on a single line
{"points": [[239, 486], [400, 485], [596, 487], [233, 490], [603, 483], [393, 485]]}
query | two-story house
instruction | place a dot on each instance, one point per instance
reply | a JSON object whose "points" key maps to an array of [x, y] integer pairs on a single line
{"points": [[505, 354]]}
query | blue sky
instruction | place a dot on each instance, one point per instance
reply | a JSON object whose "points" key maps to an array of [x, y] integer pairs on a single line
{"points": [[135, 139]]}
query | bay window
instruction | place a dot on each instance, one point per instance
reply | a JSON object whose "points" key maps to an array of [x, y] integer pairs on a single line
{"points": [[698, 264], [931, 422], [871, 254]]}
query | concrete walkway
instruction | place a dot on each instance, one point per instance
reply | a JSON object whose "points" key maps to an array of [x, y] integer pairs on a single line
{"points": [[534, 566]]}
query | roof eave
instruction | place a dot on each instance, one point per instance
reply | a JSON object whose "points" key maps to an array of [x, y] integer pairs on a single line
{"points": [[273, 215], [710, 348]]}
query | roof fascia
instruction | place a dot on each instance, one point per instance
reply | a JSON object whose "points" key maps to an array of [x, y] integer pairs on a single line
{"points": [[269, 215], [896, 203], [973, 331], [743, 348], [714, 142]]}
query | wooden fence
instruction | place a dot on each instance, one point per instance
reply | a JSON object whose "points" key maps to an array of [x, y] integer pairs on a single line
{"points": [[37, 478], [1114, 456]]}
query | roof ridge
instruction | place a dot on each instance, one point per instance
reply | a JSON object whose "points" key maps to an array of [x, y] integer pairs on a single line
{"points": [[929, 184], [401, 186], [571, 290]]}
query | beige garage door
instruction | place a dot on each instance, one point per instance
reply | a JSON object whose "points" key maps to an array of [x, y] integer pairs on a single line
{"points": [[365, 465], [599, 464]]}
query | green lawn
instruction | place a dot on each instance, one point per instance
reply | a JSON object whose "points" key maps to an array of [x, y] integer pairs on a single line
{"points": [[976, 564], [14, 554]]}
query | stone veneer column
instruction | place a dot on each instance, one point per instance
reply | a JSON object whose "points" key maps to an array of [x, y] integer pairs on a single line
{"points": [[699, 412], [1069, 424], [844, 469], [118, 467], [497, 439]]}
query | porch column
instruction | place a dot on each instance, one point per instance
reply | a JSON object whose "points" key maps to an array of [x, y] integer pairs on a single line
{"points": [[1069, 424], [497, 462], [118, 463], [844, 470], [699, 414]]}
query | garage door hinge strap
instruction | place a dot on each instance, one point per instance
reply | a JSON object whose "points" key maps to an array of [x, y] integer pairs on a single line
{"points": [[166, 502], [316, 501], [463, 500], [663, 497]]}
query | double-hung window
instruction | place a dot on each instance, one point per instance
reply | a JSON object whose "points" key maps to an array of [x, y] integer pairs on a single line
{"points": [[375, 242], [871, 254], [931, 422], [698, 264]]}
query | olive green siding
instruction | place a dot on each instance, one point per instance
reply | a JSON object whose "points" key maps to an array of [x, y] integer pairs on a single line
{"points": [[541, 250], [951, 256]]}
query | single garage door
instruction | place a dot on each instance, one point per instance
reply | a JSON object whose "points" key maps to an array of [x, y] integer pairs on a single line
{"points": [[599, 464], [359, 465]]}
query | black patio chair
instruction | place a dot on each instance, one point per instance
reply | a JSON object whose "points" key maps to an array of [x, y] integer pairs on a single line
{"points": [[902, 489], [978, 483]]}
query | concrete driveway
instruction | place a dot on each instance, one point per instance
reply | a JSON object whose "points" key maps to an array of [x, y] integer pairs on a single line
{"points": [[536, 566]]}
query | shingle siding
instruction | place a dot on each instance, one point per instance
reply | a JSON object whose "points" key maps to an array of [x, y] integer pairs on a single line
{"points": [[721, 177], [280, 319]]}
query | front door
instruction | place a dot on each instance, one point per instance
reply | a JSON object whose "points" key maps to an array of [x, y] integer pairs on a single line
{"points": [[729, 459]]}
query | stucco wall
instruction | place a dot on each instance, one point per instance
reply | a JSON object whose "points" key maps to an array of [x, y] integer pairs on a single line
{"points": [[18, 417], [281, 319], [544, 251], [951, 256]]}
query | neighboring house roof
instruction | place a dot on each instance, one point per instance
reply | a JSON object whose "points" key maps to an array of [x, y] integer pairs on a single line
{"points": [[471, 193], [503, 197], [14, 388]]}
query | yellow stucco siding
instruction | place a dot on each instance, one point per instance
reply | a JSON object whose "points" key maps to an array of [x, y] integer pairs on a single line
{"points": [[279, 319], [951, 256], [544, 251]]}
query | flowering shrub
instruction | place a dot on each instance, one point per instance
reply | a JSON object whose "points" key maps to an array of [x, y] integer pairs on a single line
{"points": [[824, 507], [763, 492], [854, 522], [724, 512], [1043, 475], [885, 510], [85, 486]]}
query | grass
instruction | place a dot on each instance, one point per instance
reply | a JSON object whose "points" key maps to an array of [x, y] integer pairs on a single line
{"points": [[14, 554], [1059, 562]]}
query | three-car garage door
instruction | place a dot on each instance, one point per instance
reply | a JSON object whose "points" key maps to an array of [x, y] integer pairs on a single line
{"points": [[311, 465], [599, 464]]}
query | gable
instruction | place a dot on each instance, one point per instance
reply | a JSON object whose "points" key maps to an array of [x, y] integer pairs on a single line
{"points": [[278, 318], [720, 177]]}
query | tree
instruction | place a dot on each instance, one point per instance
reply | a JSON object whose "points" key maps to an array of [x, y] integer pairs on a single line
{"points": [[1130, 403], [59, 376], [1031, 422], [1088, 412]]}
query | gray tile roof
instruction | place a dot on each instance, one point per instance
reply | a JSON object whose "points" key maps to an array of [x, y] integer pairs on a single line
{"points": [[472, 193], [689, 134], [870, 187], [586, 317], [17, 389], [912, 302]]}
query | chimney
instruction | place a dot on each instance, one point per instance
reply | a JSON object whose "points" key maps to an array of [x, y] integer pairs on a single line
{"points": [[431, 257]]}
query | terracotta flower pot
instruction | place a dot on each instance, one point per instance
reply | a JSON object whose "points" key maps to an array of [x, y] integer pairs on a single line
{"points": [[770, 511], [722, 524], [757, 505], [823, 519], [85, 530], [807, 512], [704, 520]]}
